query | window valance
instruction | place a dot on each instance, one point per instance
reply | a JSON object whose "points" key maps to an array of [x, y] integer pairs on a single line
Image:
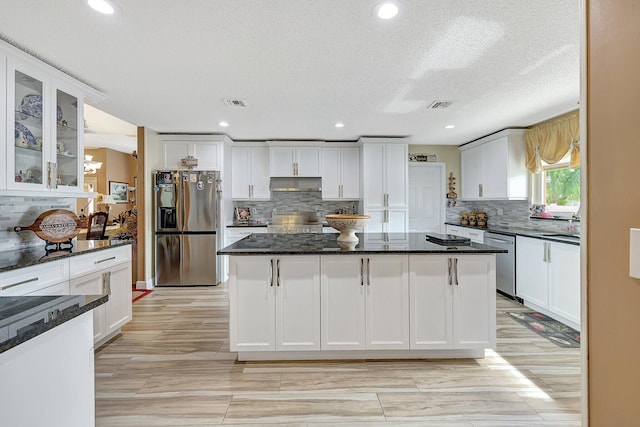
{"points": [[552, 141]]}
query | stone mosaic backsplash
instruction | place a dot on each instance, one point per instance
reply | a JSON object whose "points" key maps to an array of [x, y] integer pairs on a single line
{"points": [[24, 211], [298, 201], [515, 214]]}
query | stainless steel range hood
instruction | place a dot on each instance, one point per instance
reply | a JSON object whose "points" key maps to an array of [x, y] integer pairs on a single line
{"points": [[295, 183]]}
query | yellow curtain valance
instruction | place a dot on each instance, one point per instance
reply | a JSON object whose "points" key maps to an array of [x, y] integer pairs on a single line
{"points": [[552, 141]]}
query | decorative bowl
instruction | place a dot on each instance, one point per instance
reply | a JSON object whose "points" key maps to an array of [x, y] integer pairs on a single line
{"points": [[347, 225]]}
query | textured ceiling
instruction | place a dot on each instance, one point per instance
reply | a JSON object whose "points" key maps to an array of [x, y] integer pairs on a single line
{"points": [[303, 65]]}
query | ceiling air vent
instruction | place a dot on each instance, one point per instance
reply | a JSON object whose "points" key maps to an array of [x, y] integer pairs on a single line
{"points": [[439, 105], [239, 103]]}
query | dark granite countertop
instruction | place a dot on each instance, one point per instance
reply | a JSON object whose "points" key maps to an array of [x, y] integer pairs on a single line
{"points": [[26, 317], [556, 236], [326, 244], [26, 257]]}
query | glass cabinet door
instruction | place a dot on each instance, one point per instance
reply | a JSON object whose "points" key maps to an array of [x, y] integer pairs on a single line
{"points": [[28, 109], [67, 148]]}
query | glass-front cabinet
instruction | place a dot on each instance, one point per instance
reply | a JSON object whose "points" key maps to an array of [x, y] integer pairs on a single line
{"points": [[44, 119]]}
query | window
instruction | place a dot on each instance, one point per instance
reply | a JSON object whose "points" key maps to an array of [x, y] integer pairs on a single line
{"points": [[560, 188]]}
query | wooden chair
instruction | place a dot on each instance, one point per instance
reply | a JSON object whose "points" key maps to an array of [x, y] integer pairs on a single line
{"points": [[97, 226]]}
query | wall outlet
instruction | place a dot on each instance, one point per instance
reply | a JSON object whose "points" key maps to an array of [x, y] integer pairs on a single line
{"points": [[500, 211]]}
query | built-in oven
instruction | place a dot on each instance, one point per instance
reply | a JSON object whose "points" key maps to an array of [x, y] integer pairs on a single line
{"points": [[505, 263]]}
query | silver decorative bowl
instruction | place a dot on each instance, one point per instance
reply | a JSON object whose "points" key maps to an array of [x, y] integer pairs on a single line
{"points": [[347, 225]]}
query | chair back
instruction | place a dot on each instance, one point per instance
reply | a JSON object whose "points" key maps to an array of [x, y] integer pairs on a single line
{"points": [[97, 226]]}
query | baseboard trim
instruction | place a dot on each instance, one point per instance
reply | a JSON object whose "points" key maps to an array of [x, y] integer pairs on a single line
{"points": [[245, 356]]}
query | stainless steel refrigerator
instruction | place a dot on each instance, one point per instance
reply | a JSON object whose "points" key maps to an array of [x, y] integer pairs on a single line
{"points": [[187, 210]]}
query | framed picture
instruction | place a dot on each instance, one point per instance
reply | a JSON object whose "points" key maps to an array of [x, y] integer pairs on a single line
{"points": [[242, 214], [118, 190]]}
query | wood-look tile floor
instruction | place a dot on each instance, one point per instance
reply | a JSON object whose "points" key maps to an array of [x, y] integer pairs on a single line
{"points": [[172, 367]]}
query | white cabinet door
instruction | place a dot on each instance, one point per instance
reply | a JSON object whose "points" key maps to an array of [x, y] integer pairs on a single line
{"points": [[241, 173], [118, 310], [57, 289], [331, 172], [564, 281], [92, 284], [281, 161], [3, 114], [308, 161], [172, 152], [495, 160], [343, 304], [350, 172], [251, 304], [398, 221], [474, 301], [471, 172], [396, 171], [373, 182], [531, 271], [387, 302], [431, 302], [259, 168], [297, 303], [376, 223], [208, 155]]}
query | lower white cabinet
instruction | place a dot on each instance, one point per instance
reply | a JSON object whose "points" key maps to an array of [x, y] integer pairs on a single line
{"points": [[233, 234], [452, 301], [116, 281], [39, 279], [365, 302], [548, 278], [274, 303], [390, 220]]}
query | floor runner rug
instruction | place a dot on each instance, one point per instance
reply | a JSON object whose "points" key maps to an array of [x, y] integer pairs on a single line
{"points": [[137, 294], [556, 332]]}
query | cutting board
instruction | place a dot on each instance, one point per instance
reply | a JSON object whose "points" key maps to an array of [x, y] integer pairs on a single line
{"points": [[55, 226]]}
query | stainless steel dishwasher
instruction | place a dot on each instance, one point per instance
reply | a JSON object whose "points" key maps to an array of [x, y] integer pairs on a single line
{"points": [[505, 263]]}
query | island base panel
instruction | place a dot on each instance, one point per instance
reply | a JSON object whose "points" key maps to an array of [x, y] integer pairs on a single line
{"points": [[246, 356]]}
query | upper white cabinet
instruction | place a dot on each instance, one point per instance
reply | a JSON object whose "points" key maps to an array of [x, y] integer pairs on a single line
{"points": [[341, 173], [289, 159], [208, 149], [548, 278], [250, 172], [385, 193], [493, 167], [44, 111]]}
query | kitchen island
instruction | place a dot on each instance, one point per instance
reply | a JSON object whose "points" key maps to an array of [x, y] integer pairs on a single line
{"points": [[304, 297]]}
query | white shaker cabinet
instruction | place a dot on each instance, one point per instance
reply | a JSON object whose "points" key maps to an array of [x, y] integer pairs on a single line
{"points": [[340, 173], [105, 271], [493, 167], [208, 149], [274, 303], [39, 279], [287, 160], [452, 302], [250, 173], [365, 302], [476, 235], [548, 278]]}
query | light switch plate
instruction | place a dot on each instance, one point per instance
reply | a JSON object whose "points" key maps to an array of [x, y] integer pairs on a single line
{"points": [[634, 253]]}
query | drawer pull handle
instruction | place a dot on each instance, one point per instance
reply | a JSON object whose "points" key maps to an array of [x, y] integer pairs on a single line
{"points": [[104, 260], [34, 279]]}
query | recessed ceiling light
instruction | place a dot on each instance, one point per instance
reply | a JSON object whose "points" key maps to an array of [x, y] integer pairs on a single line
{"points": [[223, 124], [387, 10], [339, 125], [449, 126], [102, 6]]}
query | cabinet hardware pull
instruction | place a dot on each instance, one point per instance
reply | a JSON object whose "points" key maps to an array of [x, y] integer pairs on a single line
{"points": [[480, 190], [361, 271], [33, 279], [386, 215], [455, 269], [278, 272], [103, 260], [548, 252], [271, 272], [106, 283], [450, 280], [544, 252], [368, 272]]}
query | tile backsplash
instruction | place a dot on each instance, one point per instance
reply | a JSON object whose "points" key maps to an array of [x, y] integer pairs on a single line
{"points": [[24, 211], [298, 201], [515, 214]]}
